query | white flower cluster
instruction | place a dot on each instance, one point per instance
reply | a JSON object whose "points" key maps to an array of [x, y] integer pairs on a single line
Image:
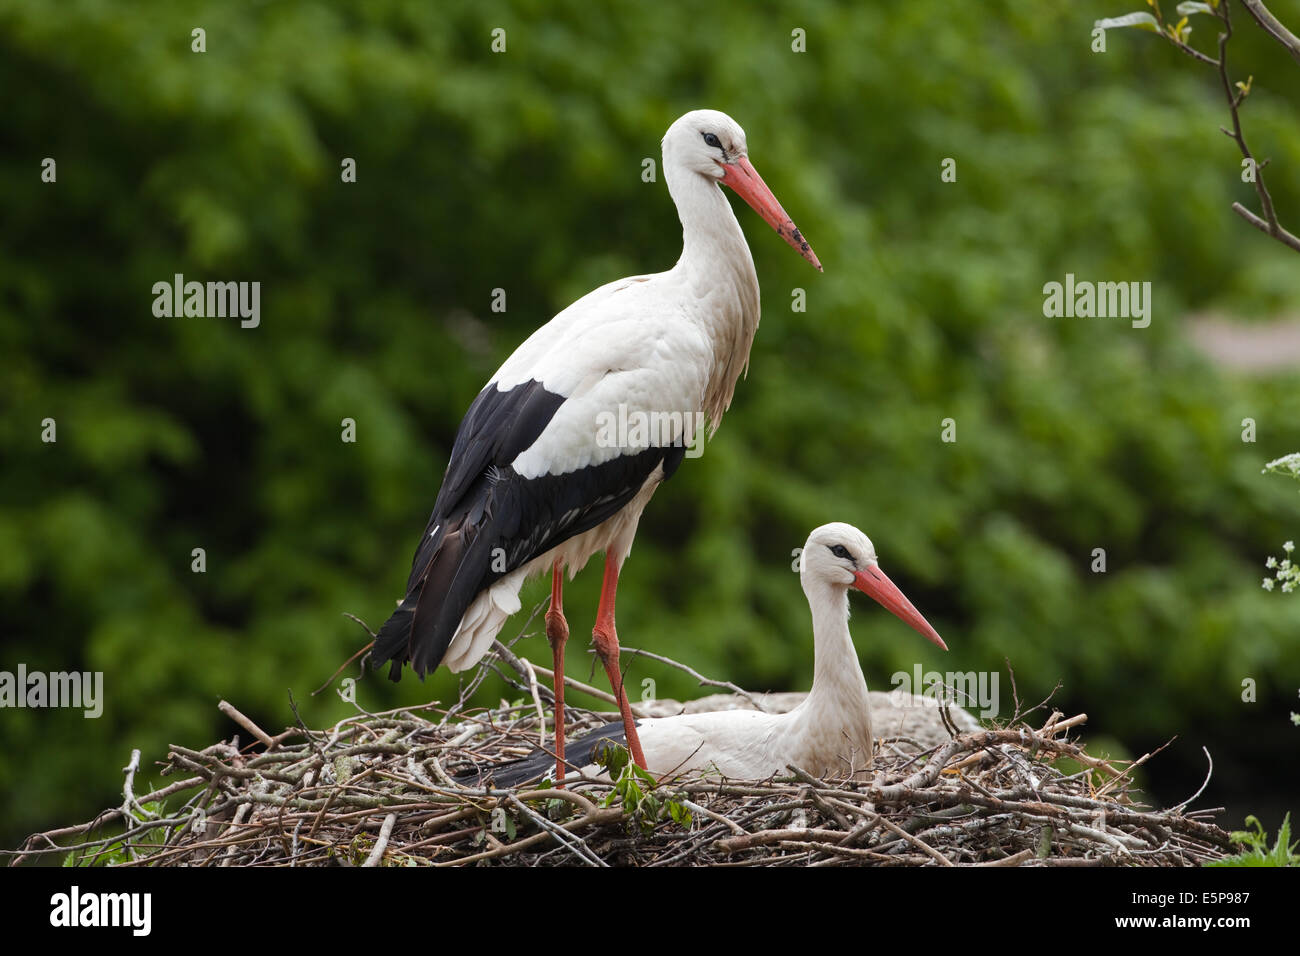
{"points": [[1286, 465], [1288, 574]]}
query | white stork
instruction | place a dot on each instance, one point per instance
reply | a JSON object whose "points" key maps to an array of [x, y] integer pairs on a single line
{"points": [[829, 733], [535, 483]]}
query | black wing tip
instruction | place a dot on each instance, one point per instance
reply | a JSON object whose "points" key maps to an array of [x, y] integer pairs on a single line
{"points": [[579, 753], [392, 643]]}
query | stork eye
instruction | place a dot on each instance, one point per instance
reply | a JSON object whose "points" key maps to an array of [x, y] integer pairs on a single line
{"points": [[841, 552], [711, 140]]}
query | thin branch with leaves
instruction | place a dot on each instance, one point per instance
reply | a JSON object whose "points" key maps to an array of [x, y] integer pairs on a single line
{"points": [[1179, 34]]}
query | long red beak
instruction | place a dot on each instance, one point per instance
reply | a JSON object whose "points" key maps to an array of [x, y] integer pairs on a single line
{"points": [[744, 179], [873, 581]]}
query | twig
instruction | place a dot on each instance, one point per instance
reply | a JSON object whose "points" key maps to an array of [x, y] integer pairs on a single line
{"points": [[537, 702], [381, 841], [921, 845], [129, 802], [353, 657], [1204, 783], [705, 681], [230, 711], [565, 838]]}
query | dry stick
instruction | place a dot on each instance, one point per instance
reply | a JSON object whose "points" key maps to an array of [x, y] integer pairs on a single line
{"points": [[847, 852], [1014, 860], [129, 801], [230, 711], [706, 681], [1115, 781], [537, 702], [920, 844], [1052, 729], [1043, 702], [766, 837], [712, 815], [565, 839], [824, 804], [233, 830], [353, 657], [377, 718], [599, 817], [381, 842], [1204, 783]]}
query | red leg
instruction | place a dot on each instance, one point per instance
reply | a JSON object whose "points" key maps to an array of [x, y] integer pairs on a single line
{"points": [[606, 640], [557, 632]]}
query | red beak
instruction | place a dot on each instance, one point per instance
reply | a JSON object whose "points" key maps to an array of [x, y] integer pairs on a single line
{"points": [[873, 581], [744, 179]]}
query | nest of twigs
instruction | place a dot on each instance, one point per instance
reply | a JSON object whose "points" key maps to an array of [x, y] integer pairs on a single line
{"points": [[380, 790]]}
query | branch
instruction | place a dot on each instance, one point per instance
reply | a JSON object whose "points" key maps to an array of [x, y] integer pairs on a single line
{"points": [[1273, 27], [1273, 228], [1281, 235], [1268, 224]]}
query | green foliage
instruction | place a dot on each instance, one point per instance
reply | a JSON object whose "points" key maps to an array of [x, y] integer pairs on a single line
{"points": [[1257, 852], [522, 171], [637, 790]]}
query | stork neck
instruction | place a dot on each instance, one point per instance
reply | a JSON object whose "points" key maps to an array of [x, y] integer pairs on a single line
{"points": [[713, 245], [838, 701], [717, 270]]}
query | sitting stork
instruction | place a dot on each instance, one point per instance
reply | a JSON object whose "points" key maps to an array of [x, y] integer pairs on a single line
{"points": [[828, 734], [538, 479]]}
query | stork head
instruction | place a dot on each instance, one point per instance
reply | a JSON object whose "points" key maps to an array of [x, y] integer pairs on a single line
{"points": [[843, 557], [712, 144]]}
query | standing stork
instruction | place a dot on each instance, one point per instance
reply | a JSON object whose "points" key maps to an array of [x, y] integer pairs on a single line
{"points": [[536, 482], [828, 733]]}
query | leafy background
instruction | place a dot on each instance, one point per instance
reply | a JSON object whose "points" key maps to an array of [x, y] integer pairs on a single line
{"points": [[522, 171]]}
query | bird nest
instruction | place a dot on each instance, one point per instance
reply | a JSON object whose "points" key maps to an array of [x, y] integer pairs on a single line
{"points": [[383, 790]]}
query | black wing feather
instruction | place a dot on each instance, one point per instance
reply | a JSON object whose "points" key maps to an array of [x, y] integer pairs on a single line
{"points": [[485, 505], [577, 754]]}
